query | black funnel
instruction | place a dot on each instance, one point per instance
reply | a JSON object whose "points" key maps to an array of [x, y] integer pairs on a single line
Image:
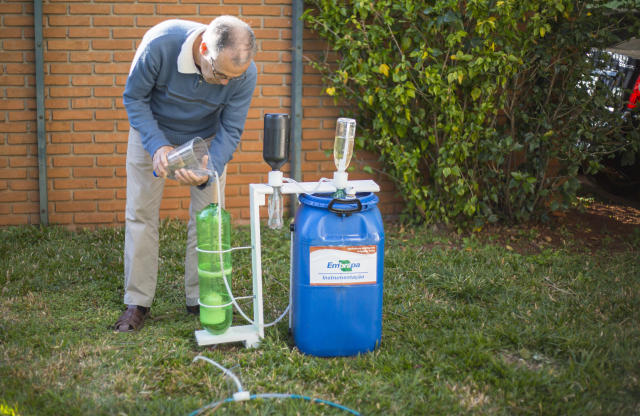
{"points": [[275, 149]]}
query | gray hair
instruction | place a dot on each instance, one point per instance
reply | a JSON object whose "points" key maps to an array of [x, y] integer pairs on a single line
{"points": [[228, 32]]}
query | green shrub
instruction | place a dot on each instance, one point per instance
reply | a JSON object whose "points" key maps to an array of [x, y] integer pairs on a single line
{"points": [[473, 105]]}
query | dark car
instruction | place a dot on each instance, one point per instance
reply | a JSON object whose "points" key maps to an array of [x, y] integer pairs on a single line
{"points": [[619, 75]]}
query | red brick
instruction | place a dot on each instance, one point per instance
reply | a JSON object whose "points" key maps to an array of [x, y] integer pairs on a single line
{"points": [[92, 148], [92, 80], [123, 125], [24, 185], [273, 90], [14, 196], [111, 138], [135, 9], [72, 115], [10, 32], [108, 91], [93, 126], [51, 57], [121, 80], [17, 21], [56, 80], [261, 11], [14, 220], [73, 183], [56, 103], [92, 102], [11, 56], [90, 56], [57, 126], [18, 44], [28, 208], [269, 33], [68, 44], [92, 194], [89, 32], [176, 9], [20, 68], [110, 114], [13, 127], [70, 68], [148, 21], [214, 10], [90, 9], [60, 219], [58, 195], [72, 161], [275, 68], [11, 8], [111, 183], [129, 32], [110, 160], [27, 138], [58, 149], [54, 32], [69, 20], [55, 173], [75, 206], [21, 116], [93, 172], [282, 22], [93, 218], [48, 9], [70, 137], [111, 44], [111, 206], [112, 21]]}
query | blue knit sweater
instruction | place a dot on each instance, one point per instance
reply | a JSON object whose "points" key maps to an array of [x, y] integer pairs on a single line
{"points": [[170, 107]]}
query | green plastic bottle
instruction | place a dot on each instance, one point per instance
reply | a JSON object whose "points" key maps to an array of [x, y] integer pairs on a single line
{"points": [[210, 272]]}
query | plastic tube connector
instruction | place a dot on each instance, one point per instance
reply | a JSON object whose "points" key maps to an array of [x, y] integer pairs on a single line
{"points": [[241, 396], [340, 179], [275, 178]]}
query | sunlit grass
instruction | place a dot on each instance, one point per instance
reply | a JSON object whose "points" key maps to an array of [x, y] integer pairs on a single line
{"points": [[468, 328]]}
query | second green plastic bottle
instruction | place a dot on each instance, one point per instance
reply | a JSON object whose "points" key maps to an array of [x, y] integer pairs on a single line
{"points": [[213, 292]]}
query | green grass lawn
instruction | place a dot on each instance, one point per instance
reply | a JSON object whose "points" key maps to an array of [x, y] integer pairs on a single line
{"points": [[468, 328]]}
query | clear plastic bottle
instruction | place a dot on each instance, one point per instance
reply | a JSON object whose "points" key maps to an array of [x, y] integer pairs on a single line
{"points": [[342, 152], [343, 143], [275, 209], [214, 317]]}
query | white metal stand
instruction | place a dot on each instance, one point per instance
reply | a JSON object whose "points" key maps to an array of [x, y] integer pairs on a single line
{"points": [[252, 334]]}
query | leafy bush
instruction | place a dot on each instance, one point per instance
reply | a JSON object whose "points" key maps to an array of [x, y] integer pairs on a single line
{"points": [[473, 105]]}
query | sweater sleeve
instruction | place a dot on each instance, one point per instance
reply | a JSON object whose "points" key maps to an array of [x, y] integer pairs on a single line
{"points": [[232, 122], [137, 96]]}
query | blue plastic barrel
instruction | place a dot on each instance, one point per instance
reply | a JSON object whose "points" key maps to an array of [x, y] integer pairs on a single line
{"points": [[338, 260]]}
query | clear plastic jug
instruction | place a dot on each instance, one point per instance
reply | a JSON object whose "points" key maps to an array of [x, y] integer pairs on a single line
{"points": [[191, 156]]}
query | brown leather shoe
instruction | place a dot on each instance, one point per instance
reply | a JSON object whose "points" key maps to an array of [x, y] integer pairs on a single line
{"points": [[132, 319]]}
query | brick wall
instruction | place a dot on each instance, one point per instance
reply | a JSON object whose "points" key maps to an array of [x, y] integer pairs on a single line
{"points": [[88, 47]]}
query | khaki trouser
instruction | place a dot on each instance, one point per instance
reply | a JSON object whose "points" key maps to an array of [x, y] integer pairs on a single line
{"points": [[144, 194]]}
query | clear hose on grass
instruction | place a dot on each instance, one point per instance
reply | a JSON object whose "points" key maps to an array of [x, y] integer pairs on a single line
{"points": [[243, 395]]}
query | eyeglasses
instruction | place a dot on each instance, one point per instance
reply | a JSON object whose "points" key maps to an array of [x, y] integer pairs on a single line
{"points": [[222, 77]]}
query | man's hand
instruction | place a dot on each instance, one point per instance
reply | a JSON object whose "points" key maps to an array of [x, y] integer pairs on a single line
{"points": [[189, 177], [160, 163]]}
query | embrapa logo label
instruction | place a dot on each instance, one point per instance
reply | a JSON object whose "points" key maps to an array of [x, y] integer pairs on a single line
{"points": [[343, 265]]}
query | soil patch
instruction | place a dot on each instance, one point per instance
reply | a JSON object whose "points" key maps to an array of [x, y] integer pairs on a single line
{"points": [[594, 226]]}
